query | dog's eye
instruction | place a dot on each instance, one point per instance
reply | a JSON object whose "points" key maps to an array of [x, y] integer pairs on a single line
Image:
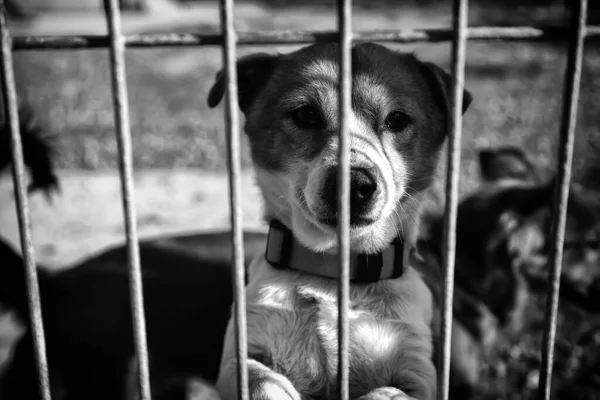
{"points": [[397, 121], [306, 117]]}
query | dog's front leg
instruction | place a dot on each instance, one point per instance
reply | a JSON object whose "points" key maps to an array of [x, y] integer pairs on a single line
{"points": [[386, 393], [412, 374], [263, 383]]}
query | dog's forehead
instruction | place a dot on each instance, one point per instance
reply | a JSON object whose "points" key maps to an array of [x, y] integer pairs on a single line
{"points": [[377, 72]]}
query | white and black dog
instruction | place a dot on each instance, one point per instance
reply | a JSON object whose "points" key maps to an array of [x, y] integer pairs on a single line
{"points": [[399, 122]]}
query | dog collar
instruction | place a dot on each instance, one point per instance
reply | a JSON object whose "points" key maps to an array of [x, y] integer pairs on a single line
{"points": [[285, 252]]}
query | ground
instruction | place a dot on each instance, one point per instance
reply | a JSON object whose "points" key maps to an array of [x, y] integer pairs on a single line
{"points": [[179, 153]]}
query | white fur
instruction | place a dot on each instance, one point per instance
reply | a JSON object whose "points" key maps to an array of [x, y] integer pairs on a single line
{"points": [[292, 322], [320, 69]]}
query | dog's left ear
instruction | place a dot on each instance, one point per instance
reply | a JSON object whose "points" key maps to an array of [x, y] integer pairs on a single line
{"points": [[441, 83], [254, 71]]}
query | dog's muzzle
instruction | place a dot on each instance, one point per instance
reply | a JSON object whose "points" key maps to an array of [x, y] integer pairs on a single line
{"points": [[363, 191]]}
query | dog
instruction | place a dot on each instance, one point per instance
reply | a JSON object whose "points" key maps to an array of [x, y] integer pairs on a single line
{"points": [[399, 122], [503, 235], [87, 318], [502, 255], [86, 308]]}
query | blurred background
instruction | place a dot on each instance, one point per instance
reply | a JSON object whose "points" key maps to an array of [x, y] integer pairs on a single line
{"points": [[179, 144]]}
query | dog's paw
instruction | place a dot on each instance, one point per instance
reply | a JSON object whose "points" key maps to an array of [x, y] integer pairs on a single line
{"points": [[386, 393], [273, 387]]}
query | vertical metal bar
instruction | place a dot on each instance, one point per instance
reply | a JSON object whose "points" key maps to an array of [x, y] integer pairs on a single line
{"points": [[345, 109], [459, 45], [121, 107], [232, 123], [565, 158], [33, 290]]}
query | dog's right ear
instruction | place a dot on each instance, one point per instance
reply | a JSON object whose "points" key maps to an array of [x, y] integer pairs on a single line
{"points": [[441, 83], [506, 163], [253, 72]]}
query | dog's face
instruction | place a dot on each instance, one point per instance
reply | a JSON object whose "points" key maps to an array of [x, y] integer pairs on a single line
{"points": [[398, 123]]}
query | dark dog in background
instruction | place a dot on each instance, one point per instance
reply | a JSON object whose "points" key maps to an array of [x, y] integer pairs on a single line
{"points": [[87, 318], [506, 222], [86, 311], [502, 255]]}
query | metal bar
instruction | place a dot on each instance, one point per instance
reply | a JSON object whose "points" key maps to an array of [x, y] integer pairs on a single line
{"points": [[541, 33], [565, 159], [31, 279], [459, 45], [121, 107], [343, 231], [232, 123]]}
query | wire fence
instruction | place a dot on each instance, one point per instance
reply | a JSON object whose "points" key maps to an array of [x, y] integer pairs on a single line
{"points": [[229, 39]]}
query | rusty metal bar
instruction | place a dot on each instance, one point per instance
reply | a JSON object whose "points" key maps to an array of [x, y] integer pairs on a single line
{"points": [[565, 160], [488, 33], [459, 45], [232, 123], [33, 291], [343, 230], [121, 107]]}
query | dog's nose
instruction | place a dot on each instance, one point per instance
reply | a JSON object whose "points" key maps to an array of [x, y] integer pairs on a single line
{"points": [[362, 187]]}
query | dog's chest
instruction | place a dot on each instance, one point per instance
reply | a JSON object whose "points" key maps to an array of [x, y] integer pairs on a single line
{"points": [[293, 320]]}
